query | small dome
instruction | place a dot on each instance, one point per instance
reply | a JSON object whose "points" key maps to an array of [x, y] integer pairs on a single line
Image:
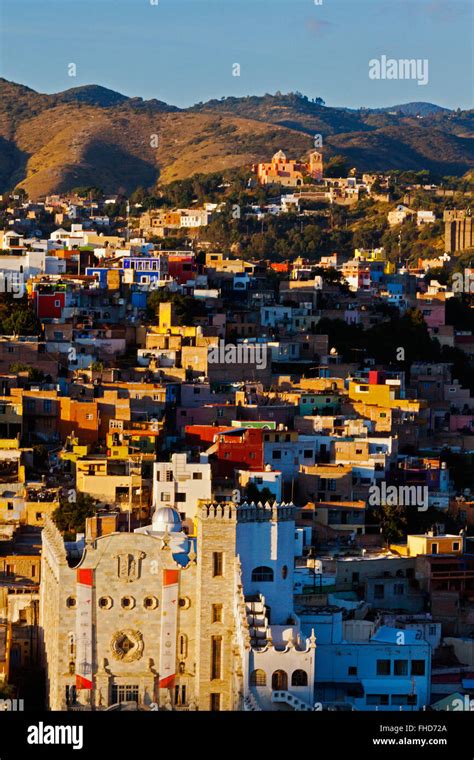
{"points": [[166, 519]]}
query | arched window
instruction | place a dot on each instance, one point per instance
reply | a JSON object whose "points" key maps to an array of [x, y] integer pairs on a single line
{"points": [[299, 678], [71, 643], [258, 678], [183, 645], [260, 574], [279, 681]]}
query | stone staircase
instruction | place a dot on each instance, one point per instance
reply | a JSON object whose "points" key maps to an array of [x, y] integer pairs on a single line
{"points": [[284, 697], [251, 703], [257, 620]]}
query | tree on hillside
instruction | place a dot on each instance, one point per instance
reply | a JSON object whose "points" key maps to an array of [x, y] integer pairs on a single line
{"points": [[337, 166]]}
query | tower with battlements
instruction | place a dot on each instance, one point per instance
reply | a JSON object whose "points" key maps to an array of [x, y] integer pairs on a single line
{"points": [[170, 621]]}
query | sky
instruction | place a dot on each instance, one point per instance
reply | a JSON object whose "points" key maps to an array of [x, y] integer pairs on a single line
{"points": [[185, 51]]}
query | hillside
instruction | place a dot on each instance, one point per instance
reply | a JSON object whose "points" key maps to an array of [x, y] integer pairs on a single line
{"points": [[412, 109], [94, 136]]}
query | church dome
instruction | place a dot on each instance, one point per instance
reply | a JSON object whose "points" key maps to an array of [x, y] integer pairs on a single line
{"points": [[166, 519]]}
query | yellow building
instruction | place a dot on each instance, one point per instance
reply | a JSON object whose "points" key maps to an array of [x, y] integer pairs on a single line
{"points": [[167, 323], [118, 481], [430, 543], [221, 263], [383, 395], [374, 255]]}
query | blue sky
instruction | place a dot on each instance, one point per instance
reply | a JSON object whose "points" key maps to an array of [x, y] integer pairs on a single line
{"points": [[182, 51]]}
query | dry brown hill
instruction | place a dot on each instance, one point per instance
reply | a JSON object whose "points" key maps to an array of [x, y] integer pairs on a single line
{"points": [[94, 136]]}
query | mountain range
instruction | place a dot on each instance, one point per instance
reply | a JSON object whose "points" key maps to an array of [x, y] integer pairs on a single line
{"points": [[93, 136]]}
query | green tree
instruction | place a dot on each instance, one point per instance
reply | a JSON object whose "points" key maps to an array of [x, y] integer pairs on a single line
{"points": [[187, 308], [392, 522], [17, 317], [256, 494], [337, 166], [70, 516]]}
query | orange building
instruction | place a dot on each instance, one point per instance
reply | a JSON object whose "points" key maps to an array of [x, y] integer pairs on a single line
{"points": [[289, 173], [80, 417]]}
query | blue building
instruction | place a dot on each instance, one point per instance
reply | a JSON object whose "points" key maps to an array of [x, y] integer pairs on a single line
{"points": [[390, 671]]}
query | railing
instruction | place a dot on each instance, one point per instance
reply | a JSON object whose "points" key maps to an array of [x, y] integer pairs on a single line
{"points": [[439, 575], [294, 702], [251, 704]]}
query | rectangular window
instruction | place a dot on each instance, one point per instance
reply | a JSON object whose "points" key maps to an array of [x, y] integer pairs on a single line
{"points": [[71, 695], [124, 693], [377, 699], [276, 455], [216, 656], [215, 702], [379, 591], [197, 475], [217, 564], [383, 667], [180, 695], [352, 670], [180, 497], [418, 667], [217, 613], [400, 668]]}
